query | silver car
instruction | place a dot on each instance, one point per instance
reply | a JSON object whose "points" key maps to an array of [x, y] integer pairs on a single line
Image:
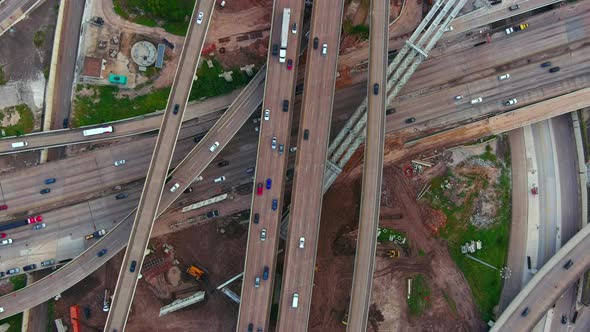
{"points": [[48, 262], [266, 115], [39, 226], [200, 18], [263, 234], [273, 143], [120, 162]]}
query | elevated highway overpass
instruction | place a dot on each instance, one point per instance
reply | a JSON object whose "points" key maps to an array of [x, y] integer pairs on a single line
{"points": [[76, 270]]}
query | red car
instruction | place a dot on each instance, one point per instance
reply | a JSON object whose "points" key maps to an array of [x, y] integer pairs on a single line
{"points": [[289, 64], [2, 235], [33, 220], [259, 190], [3, 207]]}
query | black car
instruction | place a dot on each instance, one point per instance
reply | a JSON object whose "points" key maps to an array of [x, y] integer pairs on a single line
{"points": [[122, 196], [410, 120], [188, 190], [223, 163], [101, 253], [316, 43], [256, 218], [214, 213], [176, 108], [250, 170], [198, 138], [45, 191], [132, 267], [390, 111], [568, 264], [546, 64], [285, 105], [554, 70], [525, 312], [66, 123], [168, 43], [250, 327], [563, 319], [275, 49], [306, 134], [495, 2], [30, 267], [376, 89]]}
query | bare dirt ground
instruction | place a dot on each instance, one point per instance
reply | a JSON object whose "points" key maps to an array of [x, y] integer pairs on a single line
{"points": [[336, 258]]}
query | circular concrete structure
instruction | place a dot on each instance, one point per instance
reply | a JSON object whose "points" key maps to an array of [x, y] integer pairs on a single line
{"points": [[143, 53]]}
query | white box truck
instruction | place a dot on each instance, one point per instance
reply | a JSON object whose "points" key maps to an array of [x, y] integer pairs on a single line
{"points": [[284, 35]]}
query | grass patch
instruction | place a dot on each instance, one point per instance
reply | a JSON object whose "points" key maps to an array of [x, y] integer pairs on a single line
{"points": [[172, 15], [18, 282], [419, 297], [488, 155], [16, 322], [3, 79], [210, 84], [46, 71], [50, 314], [450, 301], [391, 235], [485, 283], [359, 30], [25, 123], [421, 253], [39, 38], [104, 106]]}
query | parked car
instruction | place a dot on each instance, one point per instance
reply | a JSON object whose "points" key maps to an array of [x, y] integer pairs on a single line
{"points": [[275, 204], [410, 120], [5, 242], [122, 196], [66, 123], [45, 191], [266, 115], [289, 64], [390, 111], [2, 235], [48, 262], [513, 7], [223, 163], [554, 70], [133, 265], [293, 149], [102, 252], [14, 270], [256, 218], [188, 190], [200, 18], [50, 181], [273, 143], [250, 170], [563, 319], [39, 226], [3, 207], [176, 109], [213, 214], [263, 234], [316, 43]]}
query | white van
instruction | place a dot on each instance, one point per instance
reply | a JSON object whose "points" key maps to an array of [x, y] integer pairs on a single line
{"points": [[295, 300], [19, 145]]}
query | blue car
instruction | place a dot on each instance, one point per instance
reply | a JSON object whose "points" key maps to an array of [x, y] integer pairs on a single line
{"points": [[275, 204], [268, 183], [50, 181], [101, 253], [265, 273]]}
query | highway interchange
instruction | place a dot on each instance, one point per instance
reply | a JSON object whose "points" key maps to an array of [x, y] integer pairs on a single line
{"points": [[481, 83]]}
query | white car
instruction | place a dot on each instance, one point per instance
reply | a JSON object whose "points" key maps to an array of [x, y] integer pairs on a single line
{"points": [[1, 309], [6, 242], [301, 242], [293, 149], [263, 234], [120, 162], [266, 115], [198, 178], [509, 31], [459, 97], [200, 18], [294, 29], [174, 187], [324, 49], [504, 77], [219, 179], [449, 28], [214, 146], [512, 101], [477, 100], [273, 143]]}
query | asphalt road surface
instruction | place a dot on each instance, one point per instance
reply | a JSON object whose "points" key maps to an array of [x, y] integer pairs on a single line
{"points": [[158, 170], [306, 197], [261, 250]]}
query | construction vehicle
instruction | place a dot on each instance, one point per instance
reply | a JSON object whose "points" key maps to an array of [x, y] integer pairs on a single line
{"points": [[284, 34], [96, 235], [344, 320], [516, 28], [195, 272]]}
